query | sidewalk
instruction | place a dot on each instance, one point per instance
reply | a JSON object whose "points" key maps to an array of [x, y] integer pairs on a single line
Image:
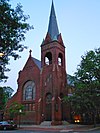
{"points": [[62, 128]]}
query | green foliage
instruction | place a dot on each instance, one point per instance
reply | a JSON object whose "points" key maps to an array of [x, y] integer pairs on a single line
{"points": [[5, 94], [88, 80], [13, 27], [16, 109], [86, 97]]}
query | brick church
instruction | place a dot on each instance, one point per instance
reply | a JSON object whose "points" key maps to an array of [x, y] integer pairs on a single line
{"points": [[43, 84]]}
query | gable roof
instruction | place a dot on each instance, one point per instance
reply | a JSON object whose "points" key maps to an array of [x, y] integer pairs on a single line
{"points": [[70, 80], [37, 62]]}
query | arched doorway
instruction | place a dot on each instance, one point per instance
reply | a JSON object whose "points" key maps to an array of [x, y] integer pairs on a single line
{"points": [[48, 108], [62, 105]]}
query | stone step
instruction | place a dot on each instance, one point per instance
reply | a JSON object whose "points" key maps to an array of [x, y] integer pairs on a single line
{"points": [[46, 123]]}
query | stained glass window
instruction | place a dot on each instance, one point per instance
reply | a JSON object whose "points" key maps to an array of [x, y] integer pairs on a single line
{"points": [[29, 91]]}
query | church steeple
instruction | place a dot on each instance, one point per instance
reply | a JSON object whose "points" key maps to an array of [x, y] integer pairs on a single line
{"points": [[53, 74], [53, 27], [53, 31]]}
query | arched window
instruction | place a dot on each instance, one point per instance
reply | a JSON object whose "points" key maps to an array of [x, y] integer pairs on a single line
{"points": [[60, 59], [48, 58], [29, 91]]}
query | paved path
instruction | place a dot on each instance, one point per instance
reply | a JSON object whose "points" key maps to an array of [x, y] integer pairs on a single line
{"points": [[65, 127]]}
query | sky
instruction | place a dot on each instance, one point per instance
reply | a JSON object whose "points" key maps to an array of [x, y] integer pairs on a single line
{"points": [[78, 22]]}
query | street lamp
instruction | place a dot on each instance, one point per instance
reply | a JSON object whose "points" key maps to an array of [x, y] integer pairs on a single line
{"points": [[1, 54], [1, 57], [20, 111]]}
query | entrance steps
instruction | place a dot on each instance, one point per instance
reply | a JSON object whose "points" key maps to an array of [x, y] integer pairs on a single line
{"points": [[46, 123]]}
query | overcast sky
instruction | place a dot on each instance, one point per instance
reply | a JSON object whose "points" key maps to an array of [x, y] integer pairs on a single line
{"points": [[78, 22]]}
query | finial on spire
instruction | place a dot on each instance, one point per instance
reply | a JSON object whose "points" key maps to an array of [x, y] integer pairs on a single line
{"points": [[30, 52], [52, 1]]}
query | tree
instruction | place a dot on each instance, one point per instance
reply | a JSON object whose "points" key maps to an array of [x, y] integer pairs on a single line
{"points": [[86, 97], [5, 94], [13, 27], [1, 97], [15, 110]]}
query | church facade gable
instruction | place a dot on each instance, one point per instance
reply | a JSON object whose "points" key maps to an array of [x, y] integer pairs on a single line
{"points": [[29, 88], [28, 92]]}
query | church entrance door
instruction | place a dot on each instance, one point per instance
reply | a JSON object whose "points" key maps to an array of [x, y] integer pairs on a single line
{"points": [[48, 108], [48, 113]]}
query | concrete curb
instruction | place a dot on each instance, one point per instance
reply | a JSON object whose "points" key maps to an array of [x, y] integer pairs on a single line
{"points": [[59, 128]]}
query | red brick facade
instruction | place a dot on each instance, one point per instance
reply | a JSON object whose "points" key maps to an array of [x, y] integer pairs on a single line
{"points": [[42, 85]]}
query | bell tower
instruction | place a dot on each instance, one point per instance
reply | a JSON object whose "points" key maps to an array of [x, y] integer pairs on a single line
{"points": [[53, 73]]}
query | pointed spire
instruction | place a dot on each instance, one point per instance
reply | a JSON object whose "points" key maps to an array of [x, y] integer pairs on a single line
{"points": [[53, 27]]}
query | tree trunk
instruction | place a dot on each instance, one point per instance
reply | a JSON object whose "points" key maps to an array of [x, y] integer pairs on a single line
{"points": [[94, 119]]}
